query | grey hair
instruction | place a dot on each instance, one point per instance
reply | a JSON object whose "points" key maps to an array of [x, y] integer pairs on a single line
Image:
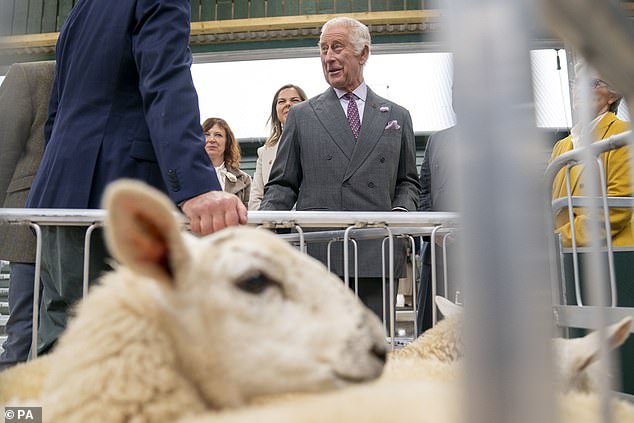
{"points": [[359, 33]]}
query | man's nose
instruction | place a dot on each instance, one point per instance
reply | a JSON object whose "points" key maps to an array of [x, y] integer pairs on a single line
{"points": [[329, 55]]}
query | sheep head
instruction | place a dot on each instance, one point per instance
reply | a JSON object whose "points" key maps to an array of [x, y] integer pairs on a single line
{"points": [[248, 315], [577, 357]]}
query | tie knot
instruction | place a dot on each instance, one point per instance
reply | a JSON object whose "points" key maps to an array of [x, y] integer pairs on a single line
{"points": [[350, 96]]}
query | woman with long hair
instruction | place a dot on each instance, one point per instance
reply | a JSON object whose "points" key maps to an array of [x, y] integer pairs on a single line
{"points": [[284, 98]]}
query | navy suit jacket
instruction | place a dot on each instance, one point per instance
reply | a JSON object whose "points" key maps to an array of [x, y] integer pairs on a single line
{"points": [[123, 105]]}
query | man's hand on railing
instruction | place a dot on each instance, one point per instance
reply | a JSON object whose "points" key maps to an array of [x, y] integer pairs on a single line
{"points": [[214, 210]]}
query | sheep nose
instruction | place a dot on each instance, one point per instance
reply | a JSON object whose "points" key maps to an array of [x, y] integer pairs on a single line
{"points": [[380, 352]]}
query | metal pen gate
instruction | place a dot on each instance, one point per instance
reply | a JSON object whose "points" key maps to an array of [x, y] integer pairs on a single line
{"points": [[354, 226]]}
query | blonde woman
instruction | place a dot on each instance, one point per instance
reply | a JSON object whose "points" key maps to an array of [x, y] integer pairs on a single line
{"points": [[223, 150], [284, 98]]}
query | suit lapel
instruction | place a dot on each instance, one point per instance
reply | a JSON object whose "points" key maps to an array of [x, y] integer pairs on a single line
{"points": [[372, 127], [329, 112]]}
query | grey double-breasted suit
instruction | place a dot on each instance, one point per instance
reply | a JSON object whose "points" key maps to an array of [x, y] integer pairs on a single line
{"points": [[321, 166]]}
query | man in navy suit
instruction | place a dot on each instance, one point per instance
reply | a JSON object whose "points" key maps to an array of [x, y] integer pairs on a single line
{"points": [[123, 106]]}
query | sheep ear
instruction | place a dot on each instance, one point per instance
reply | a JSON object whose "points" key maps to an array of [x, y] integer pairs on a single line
{"points": [[586, 350], [447, 308], [142, 231]]}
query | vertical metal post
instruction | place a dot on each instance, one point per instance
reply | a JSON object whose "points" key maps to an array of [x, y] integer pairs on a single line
{"points": [[36, 288], [595, 268], [508, 321]]}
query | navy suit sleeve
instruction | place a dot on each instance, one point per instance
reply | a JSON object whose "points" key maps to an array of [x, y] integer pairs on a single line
{"points": [[280, 193], [161, 52], [425, 181]]}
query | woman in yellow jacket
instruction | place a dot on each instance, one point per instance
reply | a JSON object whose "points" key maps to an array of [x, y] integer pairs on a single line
{"points": [[616, 164]]}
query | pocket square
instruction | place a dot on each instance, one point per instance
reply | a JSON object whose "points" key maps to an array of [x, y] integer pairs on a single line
{"points": [[393, 124]]}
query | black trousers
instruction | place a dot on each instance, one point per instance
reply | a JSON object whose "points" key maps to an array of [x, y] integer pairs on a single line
{"points": [[371, 294]]}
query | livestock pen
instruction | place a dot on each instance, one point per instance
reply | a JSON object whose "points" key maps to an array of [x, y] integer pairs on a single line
{"points": [[516, 286]]}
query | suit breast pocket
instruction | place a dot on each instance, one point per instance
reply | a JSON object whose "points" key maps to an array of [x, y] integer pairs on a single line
{"points": [[142, 150], [20, 184], [392, 133]]}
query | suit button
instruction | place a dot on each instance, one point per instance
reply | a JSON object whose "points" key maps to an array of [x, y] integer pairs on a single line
{"points": [[371, 185], [382, 160], [329, 157]]}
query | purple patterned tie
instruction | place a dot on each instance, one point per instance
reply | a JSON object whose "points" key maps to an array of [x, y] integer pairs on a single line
{"points": [[353, 114]]}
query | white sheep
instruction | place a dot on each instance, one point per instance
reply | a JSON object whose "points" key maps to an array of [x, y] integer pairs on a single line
{"points": [[190, 324], [404, 401], [421, 384], [575, 359], [177, 342]]}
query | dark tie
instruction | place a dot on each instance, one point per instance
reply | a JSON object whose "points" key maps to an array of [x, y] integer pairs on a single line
{"points": [[353, 114]]}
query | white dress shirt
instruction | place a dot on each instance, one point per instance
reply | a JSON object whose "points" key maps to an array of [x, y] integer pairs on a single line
{"points": [[361, 92]]}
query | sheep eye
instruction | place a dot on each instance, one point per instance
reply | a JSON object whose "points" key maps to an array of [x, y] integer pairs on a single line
{"points": [[256, 284]]}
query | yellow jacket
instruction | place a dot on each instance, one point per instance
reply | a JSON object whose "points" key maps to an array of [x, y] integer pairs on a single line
{"points": [[617, 173]]}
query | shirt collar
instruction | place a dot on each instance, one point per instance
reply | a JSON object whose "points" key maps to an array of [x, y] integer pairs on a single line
{"points": [[576, 130], [361, 91]]}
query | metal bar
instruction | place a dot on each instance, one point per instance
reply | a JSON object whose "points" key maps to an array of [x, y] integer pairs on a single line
{"points": [[432, 241], [573, 235], [346, 264], [611, 202], [391, 296], [588, 317], [444, 264], [608, 233], [383, 293], [356, 266], [328, 254], [576, 155], [414, 290], [363, 233], [302, 242], [36, 288], [507, 317], [323, 219], [87, 238], [593, 266]]}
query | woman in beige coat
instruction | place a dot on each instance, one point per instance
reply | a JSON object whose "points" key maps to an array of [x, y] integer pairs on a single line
{"points": [[284, 98], [223, 150]]}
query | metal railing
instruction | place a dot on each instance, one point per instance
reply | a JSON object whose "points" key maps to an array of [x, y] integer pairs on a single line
{"points": [[567, 161], [354, 225]]}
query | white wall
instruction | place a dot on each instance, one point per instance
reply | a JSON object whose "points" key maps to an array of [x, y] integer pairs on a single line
{"points": [[241, 92]]}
